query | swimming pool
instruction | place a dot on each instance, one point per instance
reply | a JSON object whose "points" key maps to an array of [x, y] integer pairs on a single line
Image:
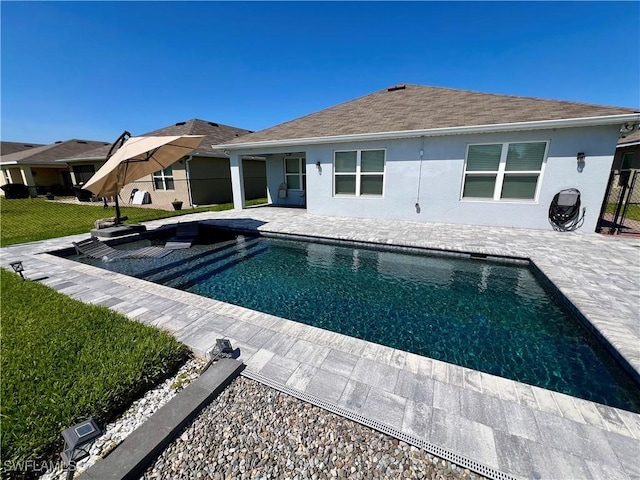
{"points": [[492, 317]]}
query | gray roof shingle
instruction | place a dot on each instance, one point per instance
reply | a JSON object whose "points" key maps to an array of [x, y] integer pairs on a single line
{"points": [[214, 133], [12, 147], [415, 107], [630, 138], [52, 152]]}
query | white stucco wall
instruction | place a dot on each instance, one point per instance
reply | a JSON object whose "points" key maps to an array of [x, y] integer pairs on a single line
{"points": [[442, 178]]}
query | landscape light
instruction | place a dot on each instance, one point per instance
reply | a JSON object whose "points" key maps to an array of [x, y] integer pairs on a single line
{"points": [[74, 438], [18, 268]]}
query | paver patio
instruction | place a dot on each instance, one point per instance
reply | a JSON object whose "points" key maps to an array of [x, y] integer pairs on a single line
{"points": [[507, 427]]}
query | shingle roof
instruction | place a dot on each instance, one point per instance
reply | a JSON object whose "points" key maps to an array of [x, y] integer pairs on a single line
{"points": [[415, 107], [214, 133], [631, 138], [12, 147], [53, 152]]}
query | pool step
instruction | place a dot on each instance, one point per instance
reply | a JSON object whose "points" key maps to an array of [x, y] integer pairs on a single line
{"points": [[219, 266], [182, 266]]}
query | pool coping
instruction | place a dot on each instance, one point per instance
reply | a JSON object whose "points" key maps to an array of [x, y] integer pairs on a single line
{"points": [[512, 428]]}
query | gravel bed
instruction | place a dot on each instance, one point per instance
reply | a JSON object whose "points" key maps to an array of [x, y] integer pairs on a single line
{"points": [[254, 431]]}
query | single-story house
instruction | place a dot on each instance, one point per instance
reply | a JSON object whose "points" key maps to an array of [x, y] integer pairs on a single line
{"points": [[37, 166], [433, 154], [201, 178]]}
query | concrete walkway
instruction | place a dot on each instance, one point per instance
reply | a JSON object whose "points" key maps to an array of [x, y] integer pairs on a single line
{"points": [[496, 426]]}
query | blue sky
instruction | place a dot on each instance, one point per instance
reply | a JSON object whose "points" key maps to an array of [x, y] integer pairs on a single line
{"points": [[93, 69]]}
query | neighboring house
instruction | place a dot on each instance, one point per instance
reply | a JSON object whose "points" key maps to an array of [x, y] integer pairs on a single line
{"points": [[37, 166], [433, 154], [628, 152], [201, 178]]}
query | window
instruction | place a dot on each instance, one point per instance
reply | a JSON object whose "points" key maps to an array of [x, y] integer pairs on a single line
{"points": [[163, 179], [295, 171], [627, 161], [504, 171], [359, 172]]}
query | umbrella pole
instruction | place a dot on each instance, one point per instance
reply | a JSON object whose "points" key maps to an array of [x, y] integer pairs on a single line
{"points": [[117, 211]]}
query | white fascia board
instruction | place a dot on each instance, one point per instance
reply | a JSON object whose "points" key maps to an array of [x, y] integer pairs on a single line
{"points": [[432, 132], [630, 144], [18, 163]]}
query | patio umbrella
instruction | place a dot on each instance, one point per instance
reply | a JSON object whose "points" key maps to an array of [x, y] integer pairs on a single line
{"points": [[136, 157]]}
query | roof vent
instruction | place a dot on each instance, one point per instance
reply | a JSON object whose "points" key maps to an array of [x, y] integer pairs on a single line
{"points": [[82, 141], [181, 123], [213, 124], [59, 141], [402, 86], [237, 134], [250, 131]]}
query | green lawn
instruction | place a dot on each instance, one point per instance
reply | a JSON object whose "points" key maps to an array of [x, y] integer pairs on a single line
{"points": [[63, 361], [31, 219], [633, 211]]}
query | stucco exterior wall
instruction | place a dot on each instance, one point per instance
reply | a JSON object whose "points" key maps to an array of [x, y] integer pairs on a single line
{"points": [[161, 197], [441, 179]]}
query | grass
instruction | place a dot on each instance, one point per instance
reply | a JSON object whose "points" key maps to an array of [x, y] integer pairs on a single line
{"points": [[633, 211], [32, 219], [64, 361]]}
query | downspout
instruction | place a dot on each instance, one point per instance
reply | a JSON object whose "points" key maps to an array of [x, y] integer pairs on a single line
{"points": [[417, 205], [186, 166]]}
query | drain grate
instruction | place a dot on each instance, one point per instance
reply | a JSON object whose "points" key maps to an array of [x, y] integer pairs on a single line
{"points": [[381, 427]]}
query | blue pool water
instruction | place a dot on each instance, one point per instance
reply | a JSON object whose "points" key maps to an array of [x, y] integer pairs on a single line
{"points": [[490, 317]]}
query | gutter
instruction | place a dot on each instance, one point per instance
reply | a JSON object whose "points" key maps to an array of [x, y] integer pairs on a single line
{"points": [[431, 132], [29, 164]]}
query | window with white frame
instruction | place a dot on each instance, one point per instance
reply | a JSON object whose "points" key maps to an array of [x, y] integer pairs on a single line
{"points": [[358, 172], [295, 171], [503, 171], [163, 179]]}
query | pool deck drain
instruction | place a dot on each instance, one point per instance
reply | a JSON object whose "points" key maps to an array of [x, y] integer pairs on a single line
{"points": [[513, 428]]}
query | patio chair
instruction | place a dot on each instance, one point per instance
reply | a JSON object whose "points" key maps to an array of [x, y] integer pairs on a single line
{"points": [[94, 248]]}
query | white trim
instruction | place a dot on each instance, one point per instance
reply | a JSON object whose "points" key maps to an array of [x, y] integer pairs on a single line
{"points": [[500, 127], [18, 163], [630, 144]]}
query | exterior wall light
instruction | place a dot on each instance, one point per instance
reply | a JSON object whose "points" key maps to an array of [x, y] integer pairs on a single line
{"points": [[76, 437], [18, 268], [319, 167], [581, 161]]}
